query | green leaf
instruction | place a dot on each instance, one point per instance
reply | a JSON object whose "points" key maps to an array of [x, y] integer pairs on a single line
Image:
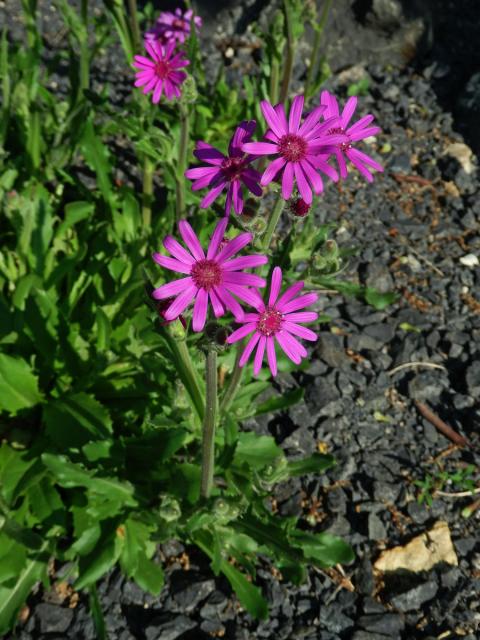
{"points": [[14, 469], [96, 155], [136, 534], [75, 419], [317, 463], [18, 385], [102, 558], [149, 575], [277, 403], [256, 451], [249, 595], [379, 300], [74, 212], [70, 475], [12, 558], [13, 596], [97, 613], [323, 548]]}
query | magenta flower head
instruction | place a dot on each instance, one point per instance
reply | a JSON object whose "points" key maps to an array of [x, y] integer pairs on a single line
{"points": [[358, 131], [160, 74], [277, 322], [214, 276], [226, 172], [173, 26], [301, 148]]}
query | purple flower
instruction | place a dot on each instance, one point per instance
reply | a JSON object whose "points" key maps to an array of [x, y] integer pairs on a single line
{"points": [[173, 26], [226, 172], [277, 322], [358, 131], [160, 73], [300, 148], [213, 276]]}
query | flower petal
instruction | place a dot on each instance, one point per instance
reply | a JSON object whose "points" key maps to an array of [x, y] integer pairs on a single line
{"points": [[287, 181], [257, 363], [242, 332], [230, 303], [212, 195], [171, 263], [284, 343], [191, 240], [275, 285], [300, 303], [272, 170], [272, 118], [171, 289], [200, 310], [303, 186], [251, 344], [295, 114], [217, 237], [177, 251], [180, 303], [244, 262], [348, 111], [272, 356], [290, 293], [301, 316], [218, 308], [260, 148], [298, 330], [234, 246]]}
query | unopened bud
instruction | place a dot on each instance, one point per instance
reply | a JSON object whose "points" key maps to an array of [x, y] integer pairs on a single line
{"points": [[299, 208], [189, 90]]}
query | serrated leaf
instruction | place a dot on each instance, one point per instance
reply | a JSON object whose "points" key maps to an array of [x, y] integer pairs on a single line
{"points": [[149, 575], [277, 403], [18, 385], [102, 558], [317, 463], [69, 474], [323, 548], [75, 419], [256, 451], [13, 596], [14, 468]]}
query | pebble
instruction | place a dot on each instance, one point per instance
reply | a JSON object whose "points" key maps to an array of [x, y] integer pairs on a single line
{"points": [[414, 598]]}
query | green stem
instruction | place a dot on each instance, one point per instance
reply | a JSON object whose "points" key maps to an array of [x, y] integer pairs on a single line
{"points": [[290, 58], [186, 371], [84, 50], [147, 192], [274, 79], [234, 382], [272, 222], [208, 444], [182, 162], [135, 29], [316, 46]]}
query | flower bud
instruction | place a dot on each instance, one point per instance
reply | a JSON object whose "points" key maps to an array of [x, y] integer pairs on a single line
{"points": [[299, 208], [189, 91]]}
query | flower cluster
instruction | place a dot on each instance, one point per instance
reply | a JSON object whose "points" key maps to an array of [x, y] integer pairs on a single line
{"points": [[160, 73], [218, 279], [300, 149]]}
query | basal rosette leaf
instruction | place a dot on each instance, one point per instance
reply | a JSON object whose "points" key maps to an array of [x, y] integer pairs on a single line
{"points": [[18, 385]]}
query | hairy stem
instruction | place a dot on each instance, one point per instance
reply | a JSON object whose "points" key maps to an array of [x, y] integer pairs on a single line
{"points": [[290, 58], [272, 222], [182, 162], [208, 444], [234, 382], [147, 192], [134, 26], [316, 46]]}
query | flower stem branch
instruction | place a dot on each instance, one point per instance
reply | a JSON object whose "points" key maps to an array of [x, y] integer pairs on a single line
{"points": [[208, 444], [234, 382], [272, 222], [147, 192], [182, 162]]}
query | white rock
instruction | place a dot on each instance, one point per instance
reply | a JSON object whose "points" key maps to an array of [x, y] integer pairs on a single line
{"points": [[470, 260], [463, 154]]}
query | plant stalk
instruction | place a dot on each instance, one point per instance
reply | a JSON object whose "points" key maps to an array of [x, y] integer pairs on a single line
{"points": [[272, 222], [274, 79], [316, 46], [208, 444], [134, 26], [290, 58], [234, 382], [182, 162], [147, 192]]}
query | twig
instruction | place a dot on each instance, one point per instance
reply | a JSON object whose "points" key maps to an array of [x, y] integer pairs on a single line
{"points": [[415, 179], [406, 365], [442, 426], [460, 494]]}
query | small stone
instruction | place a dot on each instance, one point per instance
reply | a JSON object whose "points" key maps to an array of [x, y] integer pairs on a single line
{"points": [[390, 624], [463, 154], [450, 577], [470, 260], [168, 628], [465, 545], [189, 595], [53, 619], [400, 163], [366, 635], [382, 333], [330, 349], [411, 600], [376, 528], [473, 378], [418, 512]]}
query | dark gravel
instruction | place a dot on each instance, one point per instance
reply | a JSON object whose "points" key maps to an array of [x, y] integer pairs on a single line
{"points": [[413, 226]]}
